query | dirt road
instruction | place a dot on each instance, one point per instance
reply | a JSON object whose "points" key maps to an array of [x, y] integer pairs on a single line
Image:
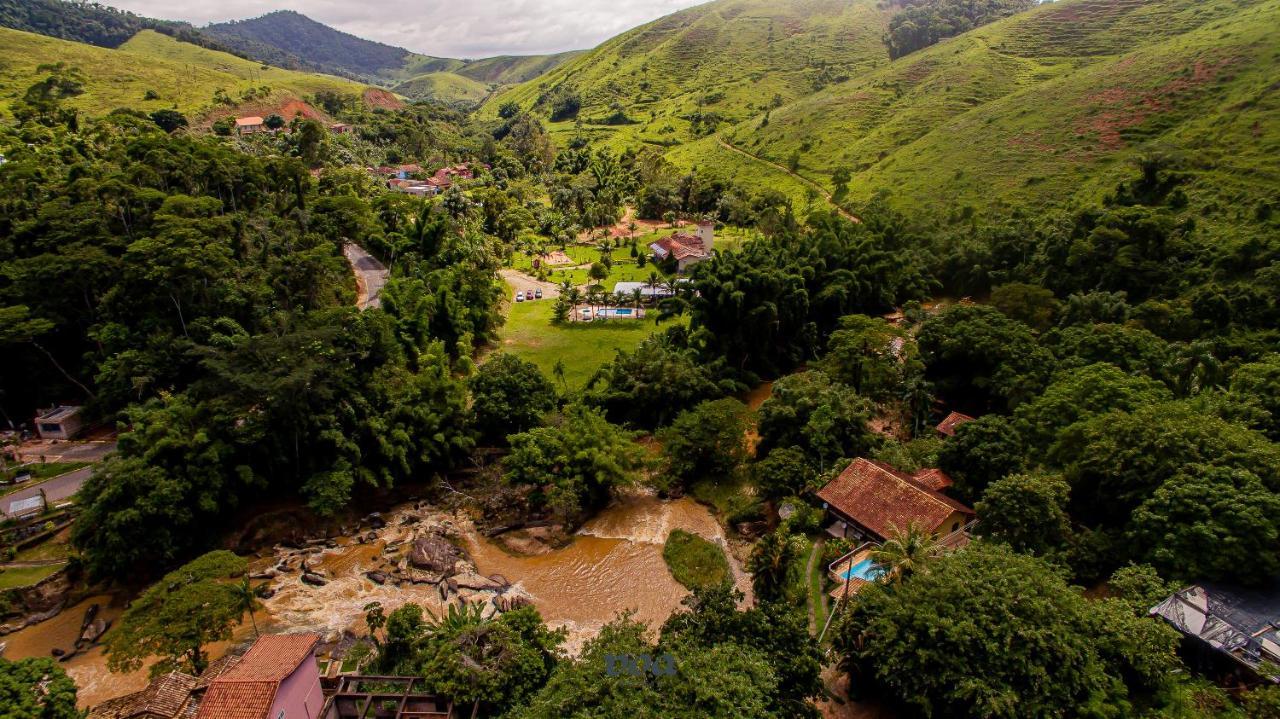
{"points": [[371, 275], [809, 183]]}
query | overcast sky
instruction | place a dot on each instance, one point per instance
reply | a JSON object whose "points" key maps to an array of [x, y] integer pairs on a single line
{"points": [[446, 28]]}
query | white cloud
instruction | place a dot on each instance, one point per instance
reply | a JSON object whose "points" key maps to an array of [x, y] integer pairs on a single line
{"points": [[446, 28]]}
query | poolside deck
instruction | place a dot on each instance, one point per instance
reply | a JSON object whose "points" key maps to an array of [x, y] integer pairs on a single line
{"points": [[841, 566]]}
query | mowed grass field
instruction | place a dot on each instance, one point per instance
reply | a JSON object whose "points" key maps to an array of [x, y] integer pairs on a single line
{"points": [[583, 347], [180, 75]]}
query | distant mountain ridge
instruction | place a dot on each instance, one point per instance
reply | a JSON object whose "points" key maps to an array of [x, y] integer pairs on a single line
{"points": [[290, 39], [322, 48]]}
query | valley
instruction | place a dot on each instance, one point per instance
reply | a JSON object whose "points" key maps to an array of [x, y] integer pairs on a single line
{"points": [[772, 358]]}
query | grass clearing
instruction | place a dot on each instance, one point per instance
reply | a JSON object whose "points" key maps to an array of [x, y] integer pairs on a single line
{"points": [[15, 577], [583, 347], [733, 501], [694, 561]]}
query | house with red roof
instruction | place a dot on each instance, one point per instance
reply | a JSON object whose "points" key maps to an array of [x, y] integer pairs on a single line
{"points": [[873, 501], [948, 426], [248, 125], [278, 678], [687, 249]]}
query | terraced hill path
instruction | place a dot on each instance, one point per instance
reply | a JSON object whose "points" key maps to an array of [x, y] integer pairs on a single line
{"points": [[806, 181]]}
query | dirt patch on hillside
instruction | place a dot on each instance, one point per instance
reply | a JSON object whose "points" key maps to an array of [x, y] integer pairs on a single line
{"points": [[377, 98], [287, 107], [1119, 108]]}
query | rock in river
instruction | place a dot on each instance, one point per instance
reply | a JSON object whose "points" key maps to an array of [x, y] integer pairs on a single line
{"points": [[435, 554], [313, 579]]}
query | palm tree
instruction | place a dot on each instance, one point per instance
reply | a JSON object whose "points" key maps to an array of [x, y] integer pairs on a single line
{"points": [[773, 564], [905, 553], [1196, 368], [636, 295], [247, 602], [558, 371]]}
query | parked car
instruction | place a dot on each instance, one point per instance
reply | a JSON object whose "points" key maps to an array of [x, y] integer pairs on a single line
{"points": [[538, 293], [519, 297], [586, 314], [528, 295]]}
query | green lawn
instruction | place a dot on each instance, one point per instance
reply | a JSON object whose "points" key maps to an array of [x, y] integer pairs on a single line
{"points": [[38, 473], [582, 347], [694, 561], [734, 501], [25, 576]]}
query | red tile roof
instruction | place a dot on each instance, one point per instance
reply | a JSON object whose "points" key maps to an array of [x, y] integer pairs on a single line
{"points": [[934, 479], [166, 697], [682, 246], [884, 500], [248, 689], [248, 121], [955, 419]]}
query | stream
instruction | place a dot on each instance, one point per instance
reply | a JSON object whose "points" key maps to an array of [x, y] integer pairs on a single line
{"points": [[613, 564]]}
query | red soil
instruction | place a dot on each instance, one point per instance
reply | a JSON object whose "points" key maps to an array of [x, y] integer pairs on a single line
{"points": [[377, 98]]}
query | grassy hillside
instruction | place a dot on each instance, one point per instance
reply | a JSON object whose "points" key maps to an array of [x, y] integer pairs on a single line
{"points": [[445, 87], [1046, 105], [461, 82], [514, 69], [724, 61], [181, 75]]}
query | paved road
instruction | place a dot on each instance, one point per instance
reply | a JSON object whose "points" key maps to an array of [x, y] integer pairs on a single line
{"points": [[55, 490], [371, 275]]}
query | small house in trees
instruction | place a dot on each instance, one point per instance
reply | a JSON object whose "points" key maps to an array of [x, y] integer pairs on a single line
{"points": [[1226, 629], [339, 128], [62, 422], [872, 501], [249, 125], [688, 250], [948, 426], [277, 677]]}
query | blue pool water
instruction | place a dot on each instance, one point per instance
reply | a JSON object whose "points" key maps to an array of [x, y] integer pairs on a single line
{"points": [[865, 570]]}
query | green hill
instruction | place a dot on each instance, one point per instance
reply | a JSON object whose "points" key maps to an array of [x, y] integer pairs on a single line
{"points": [[677, 78], [463, 82], [151, 72], [447, 87], [1042, 106], [514, 69]]}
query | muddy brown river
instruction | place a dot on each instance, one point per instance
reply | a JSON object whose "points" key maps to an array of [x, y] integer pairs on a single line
{"points": [[614, 564]]}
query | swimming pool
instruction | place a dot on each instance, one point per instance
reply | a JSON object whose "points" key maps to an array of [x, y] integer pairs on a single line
{"points": [[614, 312], [866, 570]]}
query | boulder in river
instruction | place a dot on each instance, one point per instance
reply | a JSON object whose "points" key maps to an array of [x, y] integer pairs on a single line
{"points": [[313, 579], [470, 580], [378, 578], [435, 554], [92, 633]]}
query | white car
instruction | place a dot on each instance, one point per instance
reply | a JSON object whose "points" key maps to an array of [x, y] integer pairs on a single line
{"points": [[519, 297]]}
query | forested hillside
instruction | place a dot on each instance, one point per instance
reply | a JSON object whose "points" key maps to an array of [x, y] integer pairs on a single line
{"points": [[320, 47], [90, 23]]}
